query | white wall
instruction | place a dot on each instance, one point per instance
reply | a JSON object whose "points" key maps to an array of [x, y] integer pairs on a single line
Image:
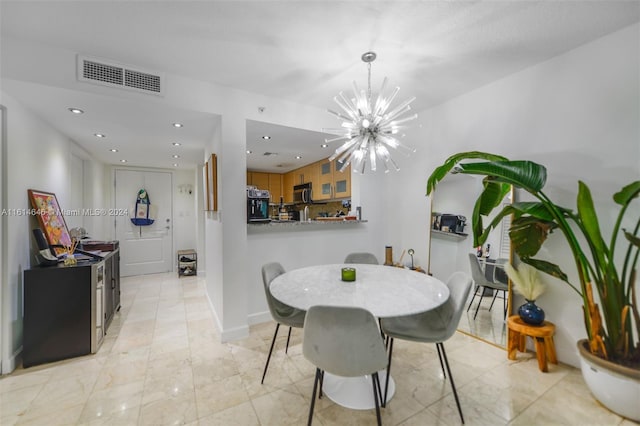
{"points": [[578, 114], [38, 158], [184, 210]]}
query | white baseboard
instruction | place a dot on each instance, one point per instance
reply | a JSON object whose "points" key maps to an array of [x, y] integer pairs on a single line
{"points": [[8, 365], [230, 334], [259, 318], [215, 314], [234, 334]]}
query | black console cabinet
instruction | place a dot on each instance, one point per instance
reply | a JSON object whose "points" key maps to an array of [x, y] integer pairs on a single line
{"points": [[67, 309]]}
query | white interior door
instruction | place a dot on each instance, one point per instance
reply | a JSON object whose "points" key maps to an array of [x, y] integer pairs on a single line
{"points": [[144, 249]]}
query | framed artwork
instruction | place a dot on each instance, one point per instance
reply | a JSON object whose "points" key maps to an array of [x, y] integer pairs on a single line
{"points": [[213, 183], [205, 186], [51, 219]]}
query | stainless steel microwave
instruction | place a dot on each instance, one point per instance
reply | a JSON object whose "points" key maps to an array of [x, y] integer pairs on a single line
{"points": [[302, 193]]}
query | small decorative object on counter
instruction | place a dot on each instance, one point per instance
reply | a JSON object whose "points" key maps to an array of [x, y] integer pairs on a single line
{"points": [[399, 263], [388, 255], [70, 260], [479, 251], [527, 283], [348, 274], [411, 252]]}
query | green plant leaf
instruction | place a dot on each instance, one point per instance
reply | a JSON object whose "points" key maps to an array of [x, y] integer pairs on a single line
{"points": [[589, 219], [548, 268], [626, 194], [481, 238], [632, 238], [527, 233], [532, 208], [527, 175], [440, 172], [492, 196]]}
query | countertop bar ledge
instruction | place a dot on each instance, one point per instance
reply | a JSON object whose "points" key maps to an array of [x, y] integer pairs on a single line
{"points": [[292, 224]]}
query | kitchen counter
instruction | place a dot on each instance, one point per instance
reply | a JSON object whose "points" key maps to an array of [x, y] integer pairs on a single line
{"points": [[295, 224]]}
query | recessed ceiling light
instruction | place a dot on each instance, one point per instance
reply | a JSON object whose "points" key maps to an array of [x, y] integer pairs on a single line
{"points": [[266, 137], [175, 164], [177, 125], [76, 110], [123, 161], [176, 156], [249, 151], [99, 135], [298, 157], [324, 145], [176, 144], [113, 150]]}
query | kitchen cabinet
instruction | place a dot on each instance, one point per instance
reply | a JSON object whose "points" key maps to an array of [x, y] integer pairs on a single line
{"points": [[331, 182], [275, 187], [272, 182], [326, 180], [258, 179], [308, 173], [288, 180]]}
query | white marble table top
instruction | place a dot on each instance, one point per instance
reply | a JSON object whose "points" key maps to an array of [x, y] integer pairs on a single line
{"points": [[384, 291]]}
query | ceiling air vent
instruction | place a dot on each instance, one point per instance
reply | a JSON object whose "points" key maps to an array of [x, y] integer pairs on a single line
{"points": [[112, 74]]}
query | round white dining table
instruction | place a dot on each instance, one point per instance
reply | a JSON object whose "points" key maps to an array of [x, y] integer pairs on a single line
{"points": [[382, 290]]}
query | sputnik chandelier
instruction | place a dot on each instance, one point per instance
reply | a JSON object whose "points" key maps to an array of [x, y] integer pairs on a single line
{"points": [[367, 128]]}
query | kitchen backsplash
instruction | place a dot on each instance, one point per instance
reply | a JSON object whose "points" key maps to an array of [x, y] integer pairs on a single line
{"points": [[316, 210], [331, 208]]}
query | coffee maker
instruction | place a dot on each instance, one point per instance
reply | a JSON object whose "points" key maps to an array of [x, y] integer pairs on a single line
{"points": [[257, 205]]}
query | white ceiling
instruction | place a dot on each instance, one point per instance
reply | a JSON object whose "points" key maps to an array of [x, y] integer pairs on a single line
{"points": [[303, 51]]}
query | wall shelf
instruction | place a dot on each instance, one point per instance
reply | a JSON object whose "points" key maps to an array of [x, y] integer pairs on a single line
{"points": [[448, 235]]}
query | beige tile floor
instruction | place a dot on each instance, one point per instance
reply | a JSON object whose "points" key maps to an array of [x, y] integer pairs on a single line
{"points": [[162, 364]]}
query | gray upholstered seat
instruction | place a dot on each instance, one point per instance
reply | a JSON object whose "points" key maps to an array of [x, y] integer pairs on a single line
{"points": [[344, 341], [435, 326], [481, 282], [368, 258], [281, 313]]}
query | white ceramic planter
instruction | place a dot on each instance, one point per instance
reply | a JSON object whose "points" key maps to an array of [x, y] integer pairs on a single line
{"points": [[615, 386]]}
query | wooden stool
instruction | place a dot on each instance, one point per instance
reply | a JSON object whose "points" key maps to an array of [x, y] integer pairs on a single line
{"points": [[542, 336]]}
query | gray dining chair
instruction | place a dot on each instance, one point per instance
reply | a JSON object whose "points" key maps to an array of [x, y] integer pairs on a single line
{"points": [[361, 257], [281, 313], [482, 283], [343, 341], [435, 326]]}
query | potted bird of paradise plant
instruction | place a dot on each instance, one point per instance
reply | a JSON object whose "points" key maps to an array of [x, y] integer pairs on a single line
{"points": [[606, 269]]}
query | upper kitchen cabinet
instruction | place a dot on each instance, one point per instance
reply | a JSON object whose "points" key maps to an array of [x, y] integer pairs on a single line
{"points": [[288, 181], [331, 182], [269, 181], [306, 174], [258, 179], [275, 187], [342, 180]]}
